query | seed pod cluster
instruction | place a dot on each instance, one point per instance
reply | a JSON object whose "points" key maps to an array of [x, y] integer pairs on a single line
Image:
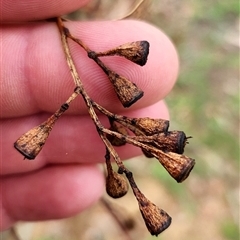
{"points": [[151, 135], [127, 92], [166, 146]]}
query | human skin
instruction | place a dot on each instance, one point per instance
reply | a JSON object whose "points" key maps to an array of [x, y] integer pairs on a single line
{"points": [[35, 80]]}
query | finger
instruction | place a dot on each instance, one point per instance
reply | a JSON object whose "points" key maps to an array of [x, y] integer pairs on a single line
{"points": [[37, 78], [74, 139], [34, 10], [51, 193]]}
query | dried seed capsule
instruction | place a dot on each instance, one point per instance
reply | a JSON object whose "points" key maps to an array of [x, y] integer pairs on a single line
{"points": [[128, 93], [151, 126], [155, 218], [116, 185], [172, 141], [32, 142], [178, 166], [120, 129], [136, 52]]}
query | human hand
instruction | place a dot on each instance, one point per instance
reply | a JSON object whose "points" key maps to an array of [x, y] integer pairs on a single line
{"points": [[64, 179]]}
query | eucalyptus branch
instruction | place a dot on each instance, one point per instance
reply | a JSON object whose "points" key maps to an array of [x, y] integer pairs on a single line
{"points": [[152, 136]]}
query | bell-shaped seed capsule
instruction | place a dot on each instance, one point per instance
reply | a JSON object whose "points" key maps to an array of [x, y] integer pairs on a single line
{"points": [[156, 219], [136, 52], [32, 142], [179, 166], [172, 141], [116, 185], [151, 126], [128, 93]]}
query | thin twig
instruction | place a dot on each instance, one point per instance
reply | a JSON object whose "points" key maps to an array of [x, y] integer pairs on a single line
{"points": [[14, 233], [116, 217], [85, 96], [136, 7]]}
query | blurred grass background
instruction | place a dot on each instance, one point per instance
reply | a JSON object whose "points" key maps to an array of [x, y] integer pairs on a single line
{"points": [[205, 104]]}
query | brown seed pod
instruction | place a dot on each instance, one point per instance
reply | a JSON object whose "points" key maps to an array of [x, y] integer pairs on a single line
{"points": [[178, 166], [116, 185], [136, 52], [151, 126], [156, 219], [128, 93], [172, 141], [32, 142]]}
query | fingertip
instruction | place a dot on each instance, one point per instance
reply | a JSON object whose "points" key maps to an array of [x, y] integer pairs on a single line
{"points": [[42, 81], [37, 10], [156, 78]]}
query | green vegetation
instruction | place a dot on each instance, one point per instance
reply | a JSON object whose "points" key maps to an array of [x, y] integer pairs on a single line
{"points": [[230, 230], [205, 103]]}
